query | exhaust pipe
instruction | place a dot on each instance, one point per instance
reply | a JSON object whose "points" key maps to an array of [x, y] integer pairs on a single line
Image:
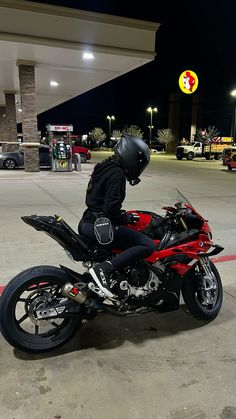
{"points": [[71, 291]]}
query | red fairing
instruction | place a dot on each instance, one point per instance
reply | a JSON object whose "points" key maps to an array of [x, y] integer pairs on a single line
{"points": [[206, 228], [145, 220]]}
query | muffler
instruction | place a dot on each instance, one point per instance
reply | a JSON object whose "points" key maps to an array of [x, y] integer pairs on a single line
{"points": [[71, 291]]}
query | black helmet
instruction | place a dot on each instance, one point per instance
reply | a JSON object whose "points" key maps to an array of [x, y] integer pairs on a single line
{"points": [[134, 155]]}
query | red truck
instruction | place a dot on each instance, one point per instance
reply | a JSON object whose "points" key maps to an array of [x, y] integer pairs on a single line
{"points": [[84, 152]]}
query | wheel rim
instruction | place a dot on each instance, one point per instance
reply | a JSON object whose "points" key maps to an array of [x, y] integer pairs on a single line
{"points": [[10, 164], [206, 289], [30, 301], [83, 158]]}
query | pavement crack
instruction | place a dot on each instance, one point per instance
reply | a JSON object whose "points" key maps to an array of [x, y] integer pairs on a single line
{"points": [[54, 198], [228, 293]]}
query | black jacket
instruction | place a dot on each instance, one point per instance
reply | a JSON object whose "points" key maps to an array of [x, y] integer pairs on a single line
{"points": [[106, 192]]}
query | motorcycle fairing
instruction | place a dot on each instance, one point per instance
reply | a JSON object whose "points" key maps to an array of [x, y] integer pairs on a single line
{"points": [[60, 231]]}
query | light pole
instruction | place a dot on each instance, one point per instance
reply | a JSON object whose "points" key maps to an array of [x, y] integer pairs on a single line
{"points": [[151, 110], [233, 124], [150, 133], [110, 118]]}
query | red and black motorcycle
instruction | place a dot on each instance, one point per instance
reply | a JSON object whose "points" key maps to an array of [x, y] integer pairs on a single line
{"points": [[43, 306]]}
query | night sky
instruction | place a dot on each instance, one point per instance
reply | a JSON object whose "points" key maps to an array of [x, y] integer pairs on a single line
{"points": [[197, 35]]}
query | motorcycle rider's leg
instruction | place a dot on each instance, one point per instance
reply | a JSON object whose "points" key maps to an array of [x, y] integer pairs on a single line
{"points": [[135, 245], [101, 273]]}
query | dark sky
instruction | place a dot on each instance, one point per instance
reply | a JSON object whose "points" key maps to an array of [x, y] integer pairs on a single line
{"points": [[198, 35]]}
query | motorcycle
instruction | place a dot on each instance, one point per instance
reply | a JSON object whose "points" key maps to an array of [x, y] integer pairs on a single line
{"points": [[43, 306]]}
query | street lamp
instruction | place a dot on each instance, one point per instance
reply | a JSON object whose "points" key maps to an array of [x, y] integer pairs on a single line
{"points": [[150, 133], [151, 110], [110, 118], [233, 124]]}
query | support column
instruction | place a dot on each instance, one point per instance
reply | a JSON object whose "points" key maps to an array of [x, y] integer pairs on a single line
{"points": [[29, 115], [3, 126], [173, 120], [196, 116], [11, 125]]}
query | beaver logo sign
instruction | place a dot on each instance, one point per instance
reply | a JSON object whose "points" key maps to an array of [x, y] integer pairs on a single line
{"points": [[63, 163], [188, 82]]}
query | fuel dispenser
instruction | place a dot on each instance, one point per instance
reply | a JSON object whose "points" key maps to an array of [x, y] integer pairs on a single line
{"points": [[60, 147]]}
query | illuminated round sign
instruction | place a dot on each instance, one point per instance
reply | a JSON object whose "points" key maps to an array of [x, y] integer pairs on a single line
{"points": [[188, 82], [63, 163]]}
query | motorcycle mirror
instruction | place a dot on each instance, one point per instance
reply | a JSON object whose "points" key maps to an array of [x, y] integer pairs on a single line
{"points": [[170, 209], [178, 205], [134, 182]]}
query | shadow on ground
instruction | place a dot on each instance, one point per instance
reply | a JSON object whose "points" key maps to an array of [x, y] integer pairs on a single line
{"points": [[107, 332]]}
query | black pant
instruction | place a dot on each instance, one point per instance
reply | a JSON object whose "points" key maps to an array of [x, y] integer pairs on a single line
{"points": [[135, 245]]}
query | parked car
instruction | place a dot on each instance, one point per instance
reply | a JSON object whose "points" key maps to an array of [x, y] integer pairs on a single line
{"points": [[14, 159], [84, 152], [231, 162], [226, 154], [158, 147]]}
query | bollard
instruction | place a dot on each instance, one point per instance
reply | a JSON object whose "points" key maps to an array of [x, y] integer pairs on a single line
{"points": [[77, 162]]}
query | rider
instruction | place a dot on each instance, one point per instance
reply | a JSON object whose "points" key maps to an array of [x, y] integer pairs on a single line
{"points": [[105, 194]]}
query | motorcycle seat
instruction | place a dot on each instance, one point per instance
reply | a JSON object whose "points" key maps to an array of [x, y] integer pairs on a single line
{"points": [[86, 239]]}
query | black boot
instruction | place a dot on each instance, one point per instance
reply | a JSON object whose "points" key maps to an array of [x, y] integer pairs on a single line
{"points": [[101, 274]]}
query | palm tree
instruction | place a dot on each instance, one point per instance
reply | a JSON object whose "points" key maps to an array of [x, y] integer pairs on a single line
{"points": [[207, 135]]}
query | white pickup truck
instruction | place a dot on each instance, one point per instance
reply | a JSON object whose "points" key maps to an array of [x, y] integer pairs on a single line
{"points": [[215, 150], [189, 151]]}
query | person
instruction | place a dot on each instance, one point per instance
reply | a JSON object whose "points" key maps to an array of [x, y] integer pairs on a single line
{"points": [[105, 194]]}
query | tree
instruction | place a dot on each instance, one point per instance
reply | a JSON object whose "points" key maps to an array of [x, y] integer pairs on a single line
{"points": [[207, 135], [116, 135], [133, 130], [97, 136], [165, 136]]}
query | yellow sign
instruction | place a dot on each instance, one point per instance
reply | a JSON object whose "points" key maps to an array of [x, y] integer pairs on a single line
{"points": [[63, 163], [227, 139], [188, 82]]}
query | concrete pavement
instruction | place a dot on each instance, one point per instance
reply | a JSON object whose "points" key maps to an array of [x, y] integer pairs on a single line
{"points": [[167, 366]]}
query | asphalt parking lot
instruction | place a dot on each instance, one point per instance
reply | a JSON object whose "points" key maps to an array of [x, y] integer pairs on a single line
{"points": [[157, 366]]}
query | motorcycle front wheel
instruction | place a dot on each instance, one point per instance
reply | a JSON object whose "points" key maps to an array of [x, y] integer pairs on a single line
{"points": [[203, 296], [31, 291]]}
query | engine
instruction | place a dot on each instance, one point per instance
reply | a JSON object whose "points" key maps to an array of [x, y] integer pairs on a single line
{"points": [[138, 282]]}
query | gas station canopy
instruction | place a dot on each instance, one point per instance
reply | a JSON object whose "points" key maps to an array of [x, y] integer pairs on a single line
{"points": [[73, 50]]}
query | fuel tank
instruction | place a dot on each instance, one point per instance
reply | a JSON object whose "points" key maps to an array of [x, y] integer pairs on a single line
{"points": [[150, 224]]}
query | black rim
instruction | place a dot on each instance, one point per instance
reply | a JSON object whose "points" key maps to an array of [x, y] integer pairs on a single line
{"points": [[83, 158], [39, 295], [206, 290], [10, 164]]}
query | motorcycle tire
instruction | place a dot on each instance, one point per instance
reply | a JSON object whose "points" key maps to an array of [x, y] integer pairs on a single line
{"points": [[192, 296], [36, 280]]}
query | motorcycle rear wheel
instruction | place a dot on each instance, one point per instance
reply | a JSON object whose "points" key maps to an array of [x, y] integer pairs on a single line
{"points": [[195, 297], [18, 303]]}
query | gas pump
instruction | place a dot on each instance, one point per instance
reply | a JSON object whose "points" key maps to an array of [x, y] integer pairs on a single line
{"points": [[60, 147]]}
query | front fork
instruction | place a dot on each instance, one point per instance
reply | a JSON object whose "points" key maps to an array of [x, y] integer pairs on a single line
{"points": [[208, 282]]}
